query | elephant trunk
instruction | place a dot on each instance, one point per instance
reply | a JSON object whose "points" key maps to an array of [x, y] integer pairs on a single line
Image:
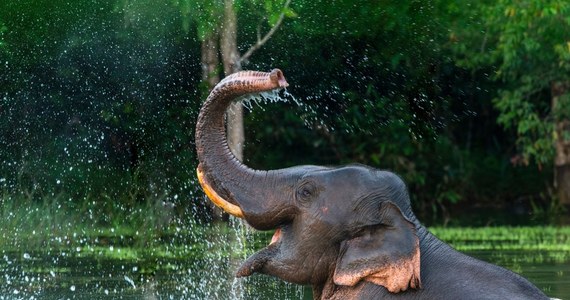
{"points": [[230, 184]]}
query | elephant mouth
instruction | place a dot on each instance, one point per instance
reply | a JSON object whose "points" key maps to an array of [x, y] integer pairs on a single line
{"points": [[258, 261], [276, 236]]}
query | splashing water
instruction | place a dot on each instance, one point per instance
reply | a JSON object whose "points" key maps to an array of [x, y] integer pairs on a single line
{"points": [[245, 235], [273, 96]]}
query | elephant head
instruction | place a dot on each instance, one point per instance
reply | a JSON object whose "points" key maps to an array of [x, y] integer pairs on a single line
{"points": [[333, 226]]}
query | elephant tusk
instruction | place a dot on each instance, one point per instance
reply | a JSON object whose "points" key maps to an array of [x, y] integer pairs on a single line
{"points": [[220, 202]]}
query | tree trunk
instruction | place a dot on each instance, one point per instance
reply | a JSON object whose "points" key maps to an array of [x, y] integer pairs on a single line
{"points": [[562, 144], [231, 62], [211, 76], [210, 61]]}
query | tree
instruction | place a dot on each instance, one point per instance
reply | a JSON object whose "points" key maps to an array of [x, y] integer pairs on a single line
{"points": [[528, 44], [218, 32], [233, 61]]}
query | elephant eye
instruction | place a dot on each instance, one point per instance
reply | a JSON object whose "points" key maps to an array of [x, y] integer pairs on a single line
{"points": [[306, 191]]}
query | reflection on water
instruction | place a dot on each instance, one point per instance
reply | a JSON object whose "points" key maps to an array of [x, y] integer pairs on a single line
{"points": [[202, 269], [66, 276], [550, 276], [194, 263]]}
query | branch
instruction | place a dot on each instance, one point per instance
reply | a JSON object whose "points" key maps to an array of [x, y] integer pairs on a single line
{"points": [[261, 41]]}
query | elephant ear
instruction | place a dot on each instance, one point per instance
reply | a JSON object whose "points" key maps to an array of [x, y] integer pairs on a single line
{"points": [[387, 254]]}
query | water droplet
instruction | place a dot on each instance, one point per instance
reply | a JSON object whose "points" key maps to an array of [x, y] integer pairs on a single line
{"points": [[130, 281]]}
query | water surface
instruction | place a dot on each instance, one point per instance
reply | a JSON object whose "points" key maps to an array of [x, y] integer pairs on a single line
{"points": [[203, 269]]}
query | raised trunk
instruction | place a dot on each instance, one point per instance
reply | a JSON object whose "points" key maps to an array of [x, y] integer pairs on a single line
{"points": [[222, 174], [561, 142]]}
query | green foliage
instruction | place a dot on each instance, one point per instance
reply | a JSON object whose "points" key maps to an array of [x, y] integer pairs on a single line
{"points": [[205, 14], [562, 111], [98, 100], [3, 29], [527, 43], [267, 10], [542, 238], [377, 92]]}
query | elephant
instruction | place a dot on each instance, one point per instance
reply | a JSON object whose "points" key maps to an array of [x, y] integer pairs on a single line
{"points": [[349, 231]]}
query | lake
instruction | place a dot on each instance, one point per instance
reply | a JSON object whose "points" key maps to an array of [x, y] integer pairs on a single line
{"points": [[199, 264]]}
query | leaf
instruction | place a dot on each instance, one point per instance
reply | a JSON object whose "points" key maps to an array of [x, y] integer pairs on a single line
{"points": [[273, 19], [510, 11], [289, 13]]}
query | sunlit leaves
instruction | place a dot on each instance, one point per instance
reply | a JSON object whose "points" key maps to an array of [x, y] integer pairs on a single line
{"points": [[207, 15], [267, 11]]}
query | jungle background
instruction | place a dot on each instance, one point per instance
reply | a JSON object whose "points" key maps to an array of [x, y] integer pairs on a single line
{"points": [[467, 101]]}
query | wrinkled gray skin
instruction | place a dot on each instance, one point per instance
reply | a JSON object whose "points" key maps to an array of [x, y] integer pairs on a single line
{"points": [[337, 220]]}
